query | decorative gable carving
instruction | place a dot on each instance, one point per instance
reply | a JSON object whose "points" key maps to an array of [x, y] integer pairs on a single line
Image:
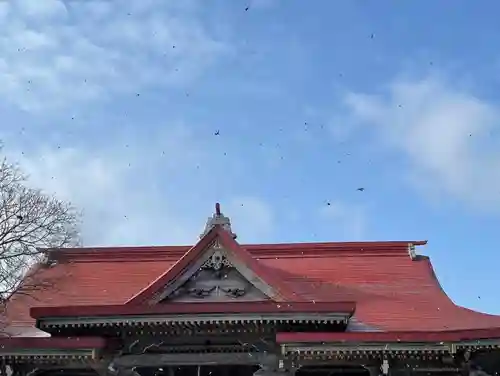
{"points": [[217, 279], [217, 261]]}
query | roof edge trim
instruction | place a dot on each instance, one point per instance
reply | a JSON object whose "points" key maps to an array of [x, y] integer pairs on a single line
{"points": [[345, 308], [395, 336]]}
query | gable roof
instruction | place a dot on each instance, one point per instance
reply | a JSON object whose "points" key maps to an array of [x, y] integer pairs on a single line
{"points": [[216, 233], [392, 291]]}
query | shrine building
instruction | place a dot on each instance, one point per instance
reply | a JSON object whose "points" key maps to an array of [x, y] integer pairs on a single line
{"points": [[220, 308]]}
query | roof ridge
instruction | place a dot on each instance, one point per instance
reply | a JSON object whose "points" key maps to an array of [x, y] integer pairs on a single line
{"points": [[380, 243], [285, 250], [143, 248], [250, 247], [387, 249]]}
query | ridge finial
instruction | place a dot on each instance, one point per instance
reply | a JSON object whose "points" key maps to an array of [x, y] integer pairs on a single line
{"points": [[218, 219]]}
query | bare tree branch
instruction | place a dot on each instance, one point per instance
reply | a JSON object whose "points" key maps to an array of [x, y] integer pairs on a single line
{"points": [[30, 221]]}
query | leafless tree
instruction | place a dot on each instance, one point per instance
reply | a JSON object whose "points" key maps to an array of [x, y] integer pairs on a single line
{"points": [[30, 221]]}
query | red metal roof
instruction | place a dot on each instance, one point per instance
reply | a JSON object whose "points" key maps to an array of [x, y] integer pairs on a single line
{"points": [[392, 291]]}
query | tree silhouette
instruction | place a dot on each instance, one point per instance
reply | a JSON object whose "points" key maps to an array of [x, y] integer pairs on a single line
{"points": [[31, 222]]}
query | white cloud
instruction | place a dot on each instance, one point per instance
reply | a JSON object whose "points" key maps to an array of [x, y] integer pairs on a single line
{"points": [[349, 219], [159, 190], [55, 53], [118, 199], [33, 9], [447, 133]]}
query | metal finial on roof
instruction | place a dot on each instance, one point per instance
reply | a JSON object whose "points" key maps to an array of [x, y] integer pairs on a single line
{"points": [[218, 219]]}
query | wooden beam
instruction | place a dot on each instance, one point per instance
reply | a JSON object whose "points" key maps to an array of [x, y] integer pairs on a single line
{"points": [[73, 365], [437, 369], [160, 360]]}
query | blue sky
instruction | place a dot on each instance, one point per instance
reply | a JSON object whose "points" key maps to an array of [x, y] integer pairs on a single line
{"points": [[115, 106]]}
